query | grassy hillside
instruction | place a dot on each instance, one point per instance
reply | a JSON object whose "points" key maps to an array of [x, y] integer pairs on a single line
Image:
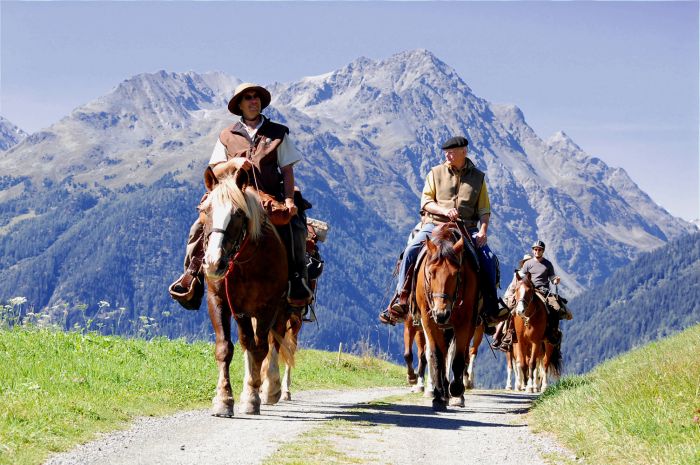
{"points": [[58, 389], [655, 296], [640, 408]]}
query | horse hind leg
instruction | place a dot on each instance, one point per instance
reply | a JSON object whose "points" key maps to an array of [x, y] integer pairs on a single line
{"points": [[271, 389]]}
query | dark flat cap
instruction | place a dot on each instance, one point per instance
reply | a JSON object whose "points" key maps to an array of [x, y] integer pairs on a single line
{"points": [[455, 142]]}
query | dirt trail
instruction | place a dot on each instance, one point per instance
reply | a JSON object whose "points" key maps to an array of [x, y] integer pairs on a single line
{"points": [[490, 429]]}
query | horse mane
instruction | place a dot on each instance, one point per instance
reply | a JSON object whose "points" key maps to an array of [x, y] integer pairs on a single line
{"points": [[444, 238], [226, 194]]}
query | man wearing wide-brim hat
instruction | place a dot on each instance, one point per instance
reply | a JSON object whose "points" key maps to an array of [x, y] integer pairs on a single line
{"points": [[264, 149], [454, 190]]}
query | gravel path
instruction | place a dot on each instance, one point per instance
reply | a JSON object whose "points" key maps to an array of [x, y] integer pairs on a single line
{"points": [[489, 430]]}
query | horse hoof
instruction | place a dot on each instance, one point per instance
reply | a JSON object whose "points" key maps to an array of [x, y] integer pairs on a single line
{"points": [[469, 385], [412, 379], [439, 405], [456, 389], [286, 395], [508, 388], [457, 401], [271, 399], [222, 407], [249, 409]]}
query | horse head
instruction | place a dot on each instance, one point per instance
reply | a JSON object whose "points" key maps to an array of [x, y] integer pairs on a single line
{"points": [[524, 293], [230, 216], [442, 277]]}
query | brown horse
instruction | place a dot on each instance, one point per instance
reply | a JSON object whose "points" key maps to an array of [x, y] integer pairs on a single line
{"points": [[531, 347], [246, 269], [411, 334], [446, 291]]}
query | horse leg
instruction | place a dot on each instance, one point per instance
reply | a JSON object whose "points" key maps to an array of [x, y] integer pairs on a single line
{"points": [[222, 403], [521, 379], [291, 337], [532, 367], [408, 334], [271, 389], [422, 362], [437, 365], [461, 343], [256, 351], [509, 370], [470, 373]]}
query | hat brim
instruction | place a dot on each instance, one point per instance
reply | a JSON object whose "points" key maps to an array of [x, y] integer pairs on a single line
{"points": [[265, 98]]}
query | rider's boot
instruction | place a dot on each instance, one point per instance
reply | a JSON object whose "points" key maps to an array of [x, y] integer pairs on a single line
{"points": [[188, 289], [299, 294], [498, 335]]}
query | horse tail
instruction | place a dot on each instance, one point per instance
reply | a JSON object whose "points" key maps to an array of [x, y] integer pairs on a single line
{"points": [[555, 362], [288, 345]]}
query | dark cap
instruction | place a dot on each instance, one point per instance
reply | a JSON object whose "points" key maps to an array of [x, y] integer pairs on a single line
{"points": [[455, 142]]}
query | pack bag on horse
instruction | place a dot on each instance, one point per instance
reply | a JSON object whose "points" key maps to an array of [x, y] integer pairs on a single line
{"points": [[537, 356], [264, 150], [454, 191], [446, 296]]}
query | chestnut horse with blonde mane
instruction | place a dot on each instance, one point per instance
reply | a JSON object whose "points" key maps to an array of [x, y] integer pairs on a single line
{"points": [[246, 271], [535, 357], [446, 293]]}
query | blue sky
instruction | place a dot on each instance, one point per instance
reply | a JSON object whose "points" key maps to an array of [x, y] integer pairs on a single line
{"points": [[620, 78]]}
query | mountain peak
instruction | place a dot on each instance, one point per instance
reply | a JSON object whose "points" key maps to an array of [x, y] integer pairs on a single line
{"points": [[10, 134], [561, 140]]}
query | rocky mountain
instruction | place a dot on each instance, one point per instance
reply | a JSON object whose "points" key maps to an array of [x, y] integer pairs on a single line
{"points": [[101, 205], [10, 135]]}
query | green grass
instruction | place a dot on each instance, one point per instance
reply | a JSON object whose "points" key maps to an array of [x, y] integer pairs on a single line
{"points": [[59, 389], [640, 408]]}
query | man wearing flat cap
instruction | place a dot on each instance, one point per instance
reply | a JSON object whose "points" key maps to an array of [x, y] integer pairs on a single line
{"points": [[263, 148], [454, 190]]}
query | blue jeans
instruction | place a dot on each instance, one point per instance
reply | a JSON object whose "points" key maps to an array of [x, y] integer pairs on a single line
{"points": [[487, 259]]}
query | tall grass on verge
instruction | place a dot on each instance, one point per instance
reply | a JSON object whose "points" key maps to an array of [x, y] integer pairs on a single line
{"points": [[640, 408], [58, 389]]}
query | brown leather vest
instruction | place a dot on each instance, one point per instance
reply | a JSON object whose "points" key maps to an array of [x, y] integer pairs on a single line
{"points": [[262, 152], [459, 189]]}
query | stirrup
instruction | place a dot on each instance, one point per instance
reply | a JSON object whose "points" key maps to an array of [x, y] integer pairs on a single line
{"points": [[187, 290]]}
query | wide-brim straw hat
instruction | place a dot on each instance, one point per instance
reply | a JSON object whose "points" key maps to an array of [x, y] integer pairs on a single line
{"points": [[263, 93]]}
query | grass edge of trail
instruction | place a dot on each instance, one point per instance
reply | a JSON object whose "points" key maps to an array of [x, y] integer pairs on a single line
{"points": [[642, 407], [59, 389]]}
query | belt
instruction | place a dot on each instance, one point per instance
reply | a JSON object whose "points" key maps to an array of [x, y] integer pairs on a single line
{"points": [[445, 219]]}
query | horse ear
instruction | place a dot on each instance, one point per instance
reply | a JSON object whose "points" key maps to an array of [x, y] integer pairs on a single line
{"points": [[432, 248], [240, 177], [517, 275], [210, 180], [459, 246]]}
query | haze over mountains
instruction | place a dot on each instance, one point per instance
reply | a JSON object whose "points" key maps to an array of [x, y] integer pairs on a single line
{"points": [[97, 206]]}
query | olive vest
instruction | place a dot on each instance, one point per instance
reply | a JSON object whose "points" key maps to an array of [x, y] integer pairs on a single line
{"points": [[261, 151], [459, 189]]}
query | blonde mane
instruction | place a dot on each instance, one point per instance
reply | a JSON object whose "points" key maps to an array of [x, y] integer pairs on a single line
{"points": [[226, 194]]}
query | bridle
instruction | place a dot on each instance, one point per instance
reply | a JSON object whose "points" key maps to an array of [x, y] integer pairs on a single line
{"points": [[239, 242], [525, 305], [454, 298]]}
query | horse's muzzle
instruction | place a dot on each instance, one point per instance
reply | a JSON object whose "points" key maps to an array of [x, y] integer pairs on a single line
{"points": [[214, 269], [442, 317]]}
